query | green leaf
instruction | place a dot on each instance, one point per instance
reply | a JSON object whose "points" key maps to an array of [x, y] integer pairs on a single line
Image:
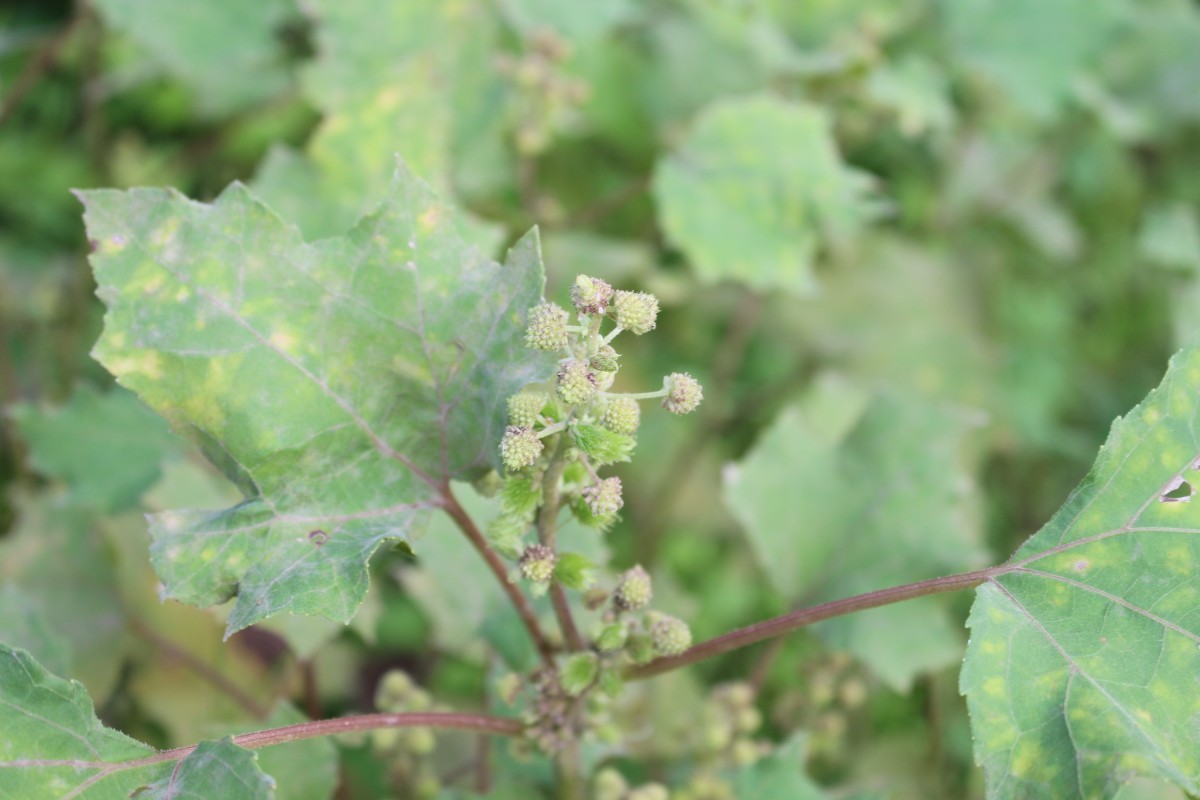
{"points": [[601, 445], [852, 492], [1084, 646], [382, 77], [226, 50], [1033, 51], [65, 570], [307, 769], [50, 722], [520, 495], [578, 672], [1170, 237], [23, 625], [755, 189], [339, 384], [574, 571], [107, 447], [916, 91], [213, 769], [575, 19], [780, 774]]}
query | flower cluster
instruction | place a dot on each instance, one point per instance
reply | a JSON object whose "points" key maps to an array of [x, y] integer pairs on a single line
{"points": [[561, 433]]}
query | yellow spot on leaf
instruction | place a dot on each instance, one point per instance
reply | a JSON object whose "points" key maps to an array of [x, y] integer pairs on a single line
{"points": [[429, 218]]}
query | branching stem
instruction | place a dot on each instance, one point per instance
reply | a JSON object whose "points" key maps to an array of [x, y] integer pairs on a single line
{"points": [[519, 601], [547, 527], [776, 626], [480, 723]]}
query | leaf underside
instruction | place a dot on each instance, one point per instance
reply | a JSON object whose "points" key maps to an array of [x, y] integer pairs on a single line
{"points": [[1083, 667], [340, 384]]}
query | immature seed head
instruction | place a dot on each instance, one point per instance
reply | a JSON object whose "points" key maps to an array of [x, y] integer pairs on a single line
{"points": [[635, 311], [520, 447], [683, 393], [604, 498], [671, 635], [547, 328], [537, 563], [524, 408], [634, 590], [576, 382], [590, 295], [621, 415]]}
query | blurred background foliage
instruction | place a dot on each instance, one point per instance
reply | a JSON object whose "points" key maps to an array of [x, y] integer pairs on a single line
{"points": [[920, 254]]}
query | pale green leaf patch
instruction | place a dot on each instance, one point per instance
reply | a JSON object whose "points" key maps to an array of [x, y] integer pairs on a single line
{"points": [[340, 384], [1084, 660]]}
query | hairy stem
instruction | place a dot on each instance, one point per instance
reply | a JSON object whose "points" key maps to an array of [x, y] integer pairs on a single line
{"points": [[547, 527], [776, 626], [519, 601], [479, 723]]}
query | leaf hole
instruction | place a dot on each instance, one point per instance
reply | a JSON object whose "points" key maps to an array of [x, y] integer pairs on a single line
{"points": [[318, 537], [1180, 491]]}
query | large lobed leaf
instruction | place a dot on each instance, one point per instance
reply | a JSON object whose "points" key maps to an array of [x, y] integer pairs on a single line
{"points": [[107, 447], [1084, 660], [853, 491], [340, 384], [228, 51], [52, 745], [755, 189]]}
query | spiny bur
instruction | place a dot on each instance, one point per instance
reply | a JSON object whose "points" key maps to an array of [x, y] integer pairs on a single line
{"points": [[671, 635], [636, 312], [590, 296], [547, 329], [604, 498], [537, 563], [576, 383], [683, 393], [520, 447], [634, 590]]}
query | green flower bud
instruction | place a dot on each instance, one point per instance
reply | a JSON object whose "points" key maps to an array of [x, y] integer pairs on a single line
{"points": [[537, 563], [576, 382], [547, 327], [649, 791], [748, 720], [604, 380], [737, 695], [590, 295], [745, 753], [605, 359], [609, 784], [421, 741], [671, 635], [683, 393], [520, 447], [634, 590], [524, 408], [604, 498], [717, 735], [612, 637], [635, 311], [621, 415], [394, 690]]}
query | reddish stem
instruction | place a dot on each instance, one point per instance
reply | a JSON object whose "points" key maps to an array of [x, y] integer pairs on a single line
{"points": [[520, 603], [776, 626]]}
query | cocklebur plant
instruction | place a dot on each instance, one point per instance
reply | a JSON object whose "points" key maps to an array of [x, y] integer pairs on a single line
{"points": [[287, 368]]}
